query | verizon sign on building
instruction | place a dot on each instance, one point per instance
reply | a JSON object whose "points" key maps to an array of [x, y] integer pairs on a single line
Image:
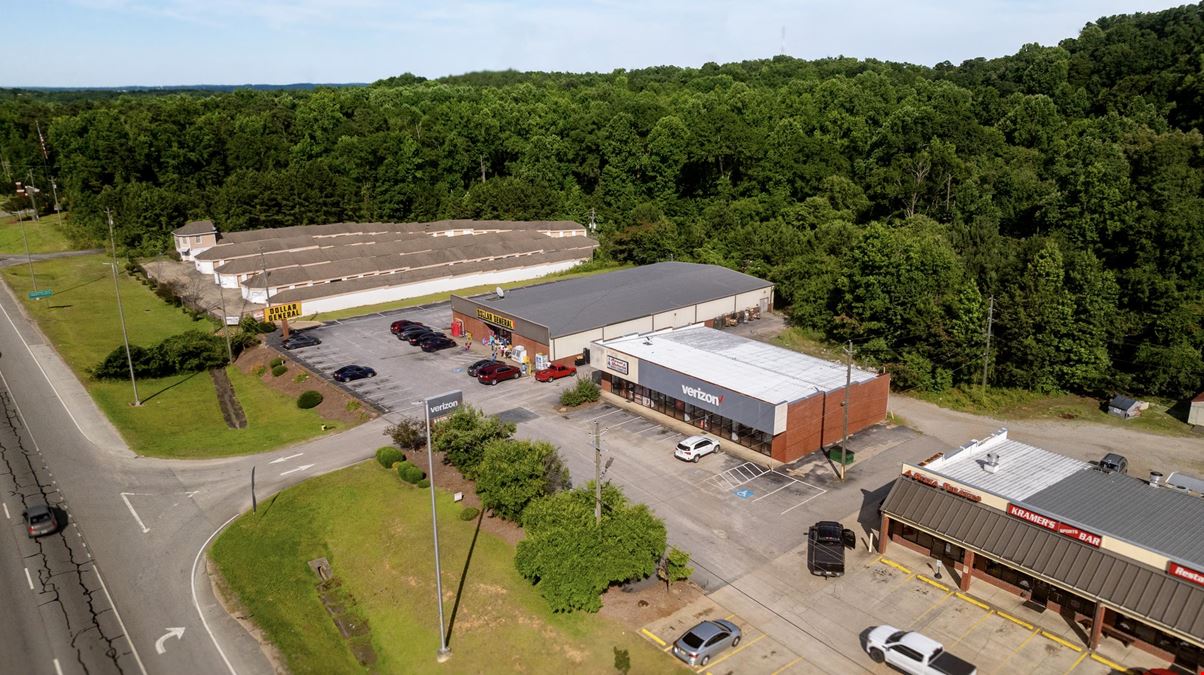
{"points": [[732, 405]]}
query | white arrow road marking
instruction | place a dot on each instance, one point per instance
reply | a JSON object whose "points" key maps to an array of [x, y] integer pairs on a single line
{"points": [[285, 459], [125, 497], [300, 468], [160, 645]]}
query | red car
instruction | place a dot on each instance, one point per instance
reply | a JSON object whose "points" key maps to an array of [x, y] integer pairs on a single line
{"points": [[502, 372], [397, 326], [554, 372]]}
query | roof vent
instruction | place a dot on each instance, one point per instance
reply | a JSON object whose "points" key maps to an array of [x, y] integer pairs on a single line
{"points": [[992, 464], [1155, 479], [647, 339]]}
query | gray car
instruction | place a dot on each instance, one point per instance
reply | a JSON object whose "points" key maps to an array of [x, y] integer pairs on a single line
{"points": [[39, 520], [704, 641]]}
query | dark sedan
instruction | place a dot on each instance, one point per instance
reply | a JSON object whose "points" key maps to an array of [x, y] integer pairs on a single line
{"points": [[476, 368], [434, 344], [299, 340], [406, 331], [502, 372], [397, 326], [417, 338], [349, 373]]}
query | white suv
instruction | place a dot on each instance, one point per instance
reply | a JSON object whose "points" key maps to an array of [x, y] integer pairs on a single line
{"points": [[694, 447]]}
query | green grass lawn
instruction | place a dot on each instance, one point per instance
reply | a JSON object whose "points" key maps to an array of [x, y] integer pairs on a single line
{"points": [[44, 236], [440, 297], [375, 531], [180, 417]]}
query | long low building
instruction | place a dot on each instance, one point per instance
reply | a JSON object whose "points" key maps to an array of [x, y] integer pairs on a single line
{"points": [[340, 265], [776, 401], [1121, 556]]}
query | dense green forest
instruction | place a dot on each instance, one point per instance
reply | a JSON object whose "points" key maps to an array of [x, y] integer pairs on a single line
{"points": [[1060, 188]]}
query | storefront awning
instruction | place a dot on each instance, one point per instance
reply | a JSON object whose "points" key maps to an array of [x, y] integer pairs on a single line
{"points": [[1134, 589]]}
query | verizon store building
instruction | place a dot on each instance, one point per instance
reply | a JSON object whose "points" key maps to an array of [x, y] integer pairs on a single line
{"points": [[1121, 556], [776, 401]]}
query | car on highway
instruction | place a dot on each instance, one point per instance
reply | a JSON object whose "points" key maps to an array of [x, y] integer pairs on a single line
{"points": [[913, 653], [475, 368], [39, 520], [353, 372], [436, 343], [554, 372], [396, 326], [694, 447], [417, 338], [502, 372], [706, 640], [299, 340]]}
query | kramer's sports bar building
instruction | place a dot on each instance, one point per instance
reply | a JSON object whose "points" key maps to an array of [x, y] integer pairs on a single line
{"points": [[776, 401], [1121, 556]]}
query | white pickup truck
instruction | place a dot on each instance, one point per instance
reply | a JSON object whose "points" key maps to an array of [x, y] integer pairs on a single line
{"points": [[913, 653]]}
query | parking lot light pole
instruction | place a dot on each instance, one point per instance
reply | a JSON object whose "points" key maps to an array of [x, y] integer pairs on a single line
{"points": [[436, 407]]}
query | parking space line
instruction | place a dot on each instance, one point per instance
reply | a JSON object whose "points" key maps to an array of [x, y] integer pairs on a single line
{"points": [[1019, 622], [652, 636], [1077, 662], [595, 419], [787, 666], [890, 563], [972, 601], [1016, 651], [774, 492], [1065, 643], [733, 652], [986, 615], [935, 603], [1107, 662], [802, 503]]}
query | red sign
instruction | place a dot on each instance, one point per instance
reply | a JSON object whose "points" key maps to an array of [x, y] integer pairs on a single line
{"points": [[1089, 538], [947, 487], [1186, 573]]}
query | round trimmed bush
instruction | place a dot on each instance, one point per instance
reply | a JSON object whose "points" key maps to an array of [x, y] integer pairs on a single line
{"points": [[388, 456], [279, 370], [424, 483], [276, 362], [409, 473], [469, 513], [267, 327], [309, 399]]}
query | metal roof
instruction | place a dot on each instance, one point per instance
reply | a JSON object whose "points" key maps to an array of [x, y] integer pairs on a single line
{"points": [[757, 369], [1138, 590], [195, 227], [1123, 402], [1161, 519], [1021, 469], [585, 303]]}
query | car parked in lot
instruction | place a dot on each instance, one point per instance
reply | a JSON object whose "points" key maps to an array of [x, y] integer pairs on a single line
{"points": [[353, 372], [706, 640], [436, 342], [1114, 463], [502, 372], [695, 447], [826, 542], [411, 327], [554, 372], [475, 368], [417, 338], [299, 340], [913, 653], [396, 326], [39, 520]]}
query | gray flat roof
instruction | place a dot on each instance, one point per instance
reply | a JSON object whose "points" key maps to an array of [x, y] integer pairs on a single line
{"points": [[1161, 519], [576, 305], [1022, 470]]}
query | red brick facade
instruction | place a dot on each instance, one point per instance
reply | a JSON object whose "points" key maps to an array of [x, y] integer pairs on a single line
{"points": [[479, 330], [818, 421]]}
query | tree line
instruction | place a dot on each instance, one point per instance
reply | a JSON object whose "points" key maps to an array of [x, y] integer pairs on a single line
{"points": [[1058, 190]]}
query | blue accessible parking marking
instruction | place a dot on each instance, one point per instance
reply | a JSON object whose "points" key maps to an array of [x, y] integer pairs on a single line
{"points": [[743, 493]]}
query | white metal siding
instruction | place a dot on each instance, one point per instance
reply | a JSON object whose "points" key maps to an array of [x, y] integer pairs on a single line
{"points": [[640, 325], [674, 319], [714, 308], [753, 298], [571, 345]]}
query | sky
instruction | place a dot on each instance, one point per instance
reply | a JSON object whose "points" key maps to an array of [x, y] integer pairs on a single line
{"points": [[82, 43]]}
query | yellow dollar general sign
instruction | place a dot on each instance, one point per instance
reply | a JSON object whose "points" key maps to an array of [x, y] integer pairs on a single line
{"points": [[285, 311], [486, 315]]}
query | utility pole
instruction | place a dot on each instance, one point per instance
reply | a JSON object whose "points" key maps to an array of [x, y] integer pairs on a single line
{"points": [[29, 190], [986, 353], [54, 188], [121, 312], [28, 258], [597, 475], [848, 381]]}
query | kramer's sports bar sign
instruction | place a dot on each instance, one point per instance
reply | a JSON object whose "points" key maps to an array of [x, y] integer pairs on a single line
{"points": [[1089, 538]]}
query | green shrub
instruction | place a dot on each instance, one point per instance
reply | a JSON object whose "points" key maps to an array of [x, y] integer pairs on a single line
{"points": [[388, 456], [585, 391], [622, 660], [424, 483], [469, 513], [267, 327], [276, 362], [259, 370], [300, 377], [279, 370], [352, 406], [308, 399], [409, 473]]}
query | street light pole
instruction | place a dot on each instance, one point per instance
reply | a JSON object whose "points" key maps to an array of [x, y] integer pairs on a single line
{"points": [[597, 475], [28, 258], [121, 311], [848, 381], [442, 405]]}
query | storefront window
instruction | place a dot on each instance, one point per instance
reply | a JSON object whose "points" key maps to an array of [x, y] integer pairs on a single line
{"points": [[726, 429]]}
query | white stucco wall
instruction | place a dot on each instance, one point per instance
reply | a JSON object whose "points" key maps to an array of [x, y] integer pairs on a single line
{"points": [[714, 308], [640, 325], [675, 318], [571, 345]]}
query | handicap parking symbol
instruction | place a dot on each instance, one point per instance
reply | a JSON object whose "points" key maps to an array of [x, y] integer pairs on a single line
{"points": [[744, 493]]}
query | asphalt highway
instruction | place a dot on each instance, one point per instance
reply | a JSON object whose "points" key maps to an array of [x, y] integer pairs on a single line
{"points": [[121, 587]]}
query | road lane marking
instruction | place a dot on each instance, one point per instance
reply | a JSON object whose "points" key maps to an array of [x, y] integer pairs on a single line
{"points": [[45, 375], [6, 516], [285, 459], [653, 636], [104, 587], [303, 467], [161, 643], [1077, 662], [125, 498], [196, 604], [28, 578], [57, 668], [1050, 636]]}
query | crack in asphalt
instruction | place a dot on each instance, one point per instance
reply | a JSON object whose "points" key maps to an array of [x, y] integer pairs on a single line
{"points": [[85, 631]]}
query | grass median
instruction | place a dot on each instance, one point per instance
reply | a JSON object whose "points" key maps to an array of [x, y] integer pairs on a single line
{"points": [[180, 416], [375, 531], [44, 236]]}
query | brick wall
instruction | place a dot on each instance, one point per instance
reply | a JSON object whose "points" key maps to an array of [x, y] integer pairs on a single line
{"points": [[867, 407], [802, 435], [479, 329]]}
